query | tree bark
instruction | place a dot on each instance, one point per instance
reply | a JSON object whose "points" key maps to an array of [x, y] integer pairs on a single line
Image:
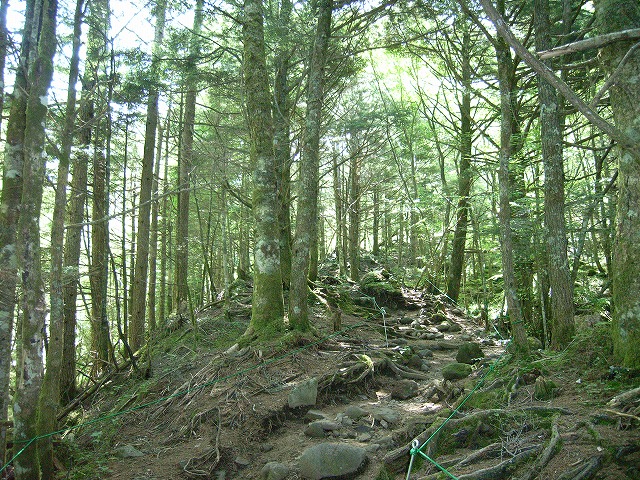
{"points": [[186, 160], [612, 16], [354, 215], [4, 43], [561, 286], [12, 183], [35, 407], [282, 134], [514, 305], [267, 315], [464, 176], [307, 213], [141, 269], [57, 282]]}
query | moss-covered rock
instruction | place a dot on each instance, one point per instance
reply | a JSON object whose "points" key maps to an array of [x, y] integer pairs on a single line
{"points": [[544, 389], [381, 285], [469, 353], [456, 371]]}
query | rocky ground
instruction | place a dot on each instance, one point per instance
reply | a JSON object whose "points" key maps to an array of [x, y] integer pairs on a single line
{"points": [[348, 404]]}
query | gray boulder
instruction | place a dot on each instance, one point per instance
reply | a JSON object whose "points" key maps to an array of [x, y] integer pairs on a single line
{"points": [[331, 460], [304, 394]]}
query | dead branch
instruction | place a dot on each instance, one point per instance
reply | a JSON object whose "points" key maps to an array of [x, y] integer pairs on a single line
{"points": [[590, 43]]}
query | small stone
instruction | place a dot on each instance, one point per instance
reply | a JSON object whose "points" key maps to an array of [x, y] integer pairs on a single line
{"points": [[242, 461], [386, 441], [363, 429], [304, 394], [128, 451], [266, 447], [454, 327], [319, 428], [443, 327], [355, 412], [387, 414], [372, 447], [314, 415], [405, 389], [456, 371], [364, 437], [425, 353], [274, 471]]}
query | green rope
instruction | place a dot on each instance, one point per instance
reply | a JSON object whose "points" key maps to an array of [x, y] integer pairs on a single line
{"points": [[178, 393], [418, 449]]}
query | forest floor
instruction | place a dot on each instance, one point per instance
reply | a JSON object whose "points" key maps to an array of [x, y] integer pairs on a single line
{"points": [[213, 412]]}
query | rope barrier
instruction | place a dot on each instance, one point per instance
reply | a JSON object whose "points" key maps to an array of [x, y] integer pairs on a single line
{"points": [[417, 449]]}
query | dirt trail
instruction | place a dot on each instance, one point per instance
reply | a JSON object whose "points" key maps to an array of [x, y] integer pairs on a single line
{"points": [[243, 422], [388, 370]]}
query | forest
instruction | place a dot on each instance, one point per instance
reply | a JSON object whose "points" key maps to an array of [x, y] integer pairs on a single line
{"points": [[266, 160]]}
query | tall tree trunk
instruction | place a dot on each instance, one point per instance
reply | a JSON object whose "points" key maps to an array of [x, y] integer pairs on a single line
{"points": [[186, 160], [614, 15], [57, 283], [464, 176], [164, 227], [36, 400], [153, 243], [4, 43], [12, 182], [375, 249], [268, 308], [562, 324], [282, 133], [139, 286], [337, 197], [307, 212], [354, 216], [514, 306]]}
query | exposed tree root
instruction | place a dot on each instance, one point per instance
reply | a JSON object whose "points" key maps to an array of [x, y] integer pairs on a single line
{"points": [[549, 451], [503, 468], [204, 465], [436, 431], [584, 470]]}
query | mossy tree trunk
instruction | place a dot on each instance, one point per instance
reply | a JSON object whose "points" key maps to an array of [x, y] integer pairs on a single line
{"points": [[464, 174], [97, 55], [36, 400], [57, 282], [612, 16], [9, 213], [282, 134], [551, 132], [307, 213], [514, 305], [267, 315]]}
